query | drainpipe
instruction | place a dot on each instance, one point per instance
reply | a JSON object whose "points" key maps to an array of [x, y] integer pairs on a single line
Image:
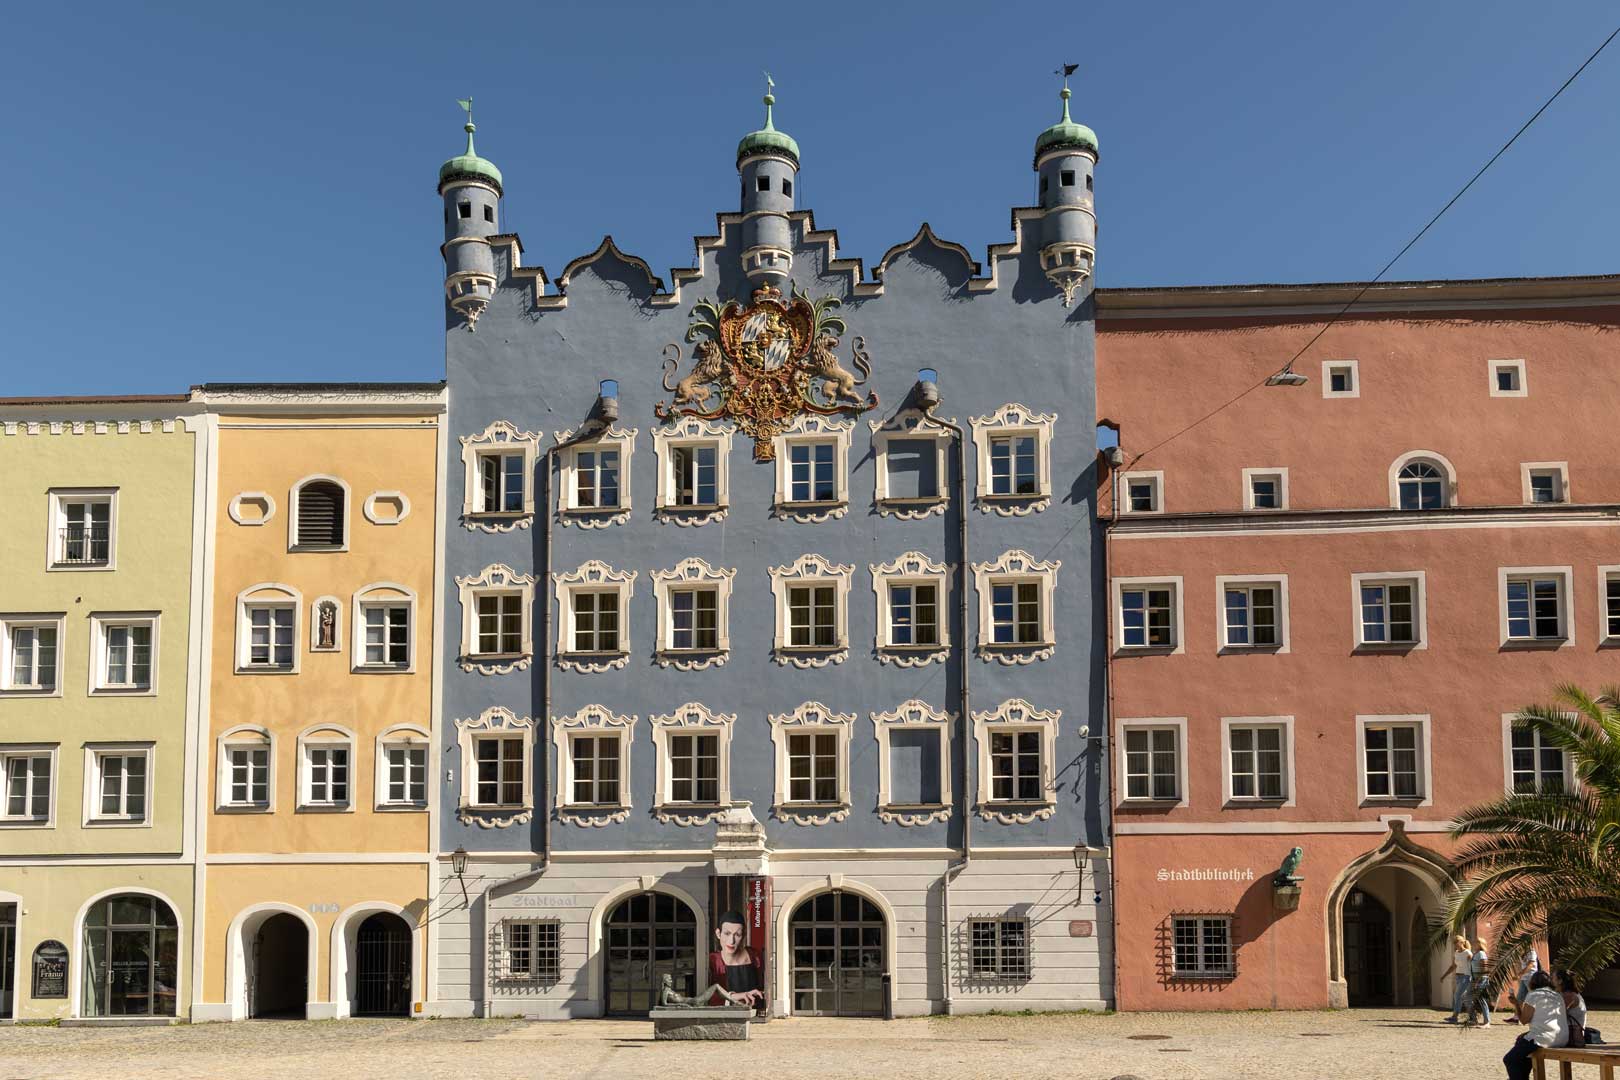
{"points": [[1115, 457]]}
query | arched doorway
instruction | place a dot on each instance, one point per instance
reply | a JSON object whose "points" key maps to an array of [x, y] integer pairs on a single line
{"points": [[645, 937], [1368, 950], [382, 966], [131, 957], [838, 955], [8, 960], [278, 968], [1377, 922]]}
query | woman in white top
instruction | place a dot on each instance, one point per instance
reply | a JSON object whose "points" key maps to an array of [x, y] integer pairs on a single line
{"points": [[1461, 971], [1479, 967], [1543, 1013]]}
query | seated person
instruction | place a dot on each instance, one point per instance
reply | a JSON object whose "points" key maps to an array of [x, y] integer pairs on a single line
{"points": [[736, 967]]}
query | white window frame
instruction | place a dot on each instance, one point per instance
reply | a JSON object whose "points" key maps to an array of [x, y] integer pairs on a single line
{"points": [[1425, 770], [1604, 575], [1155, 477], [999, 970], [1178, 643], [1178, 724], [409, 737], [1560, 472], [29, 750], [242, 737], [94, 753], [913, 715], [811, 718], [57, 522], [12, 622], [1327, 378], [326, 737], [1013, 716], [1418, 579], [1013, 419], [1280, 475], [811, 429], [692, 431], [911, 425], [596, 721], [1516, 366], [536, 975], [267, 594], [1283, 724], [1448, 479], [569, 511], [292, 515], [264, 499], [594, 576], [496, 722], [1204, 974], [911, 569], [495, 579], [368, 509], [1276, 582], [693, 573], [1571, 784], [692, 718], [812, 570], [500, 437], [382, 594], [1566, 605], [1016, 567]]}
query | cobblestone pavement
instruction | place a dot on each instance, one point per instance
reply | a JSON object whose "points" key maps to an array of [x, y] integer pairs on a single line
{"points": [[1398, 1044]]}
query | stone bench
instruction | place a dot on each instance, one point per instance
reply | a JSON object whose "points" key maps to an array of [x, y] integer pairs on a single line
{"points": [[718, 1022], [1606, 1058]]}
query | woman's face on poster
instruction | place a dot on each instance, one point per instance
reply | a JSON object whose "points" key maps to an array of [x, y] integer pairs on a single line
{"points": [[730, 936]]}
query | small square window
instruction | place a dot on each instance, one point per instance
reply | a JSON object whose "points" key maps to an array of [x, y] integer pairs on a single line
{"points": [[464, 209], [787, 186], [125, 656], [1153, 764], [1254, 615], [998, 948], [489, 214], [83, 531], [1341, 378], [912, 469], [1066, 178], [499, 762], [531, 951], [269, 643], [914, 614], [596, 479], [1143, 493], [1257, 762], [501, 482], [1390, 611], [1508, 378], [812, 760], [403, 779], [594, 764], [1535, 608], [1545, 482], [246, 777], [30, 660], [694, 616], [27, 777], [1147, 616], [499, 625], [762, 183], [326, 776], [388, 635], [812, 471], [1202, 947], [1014, 465], [1265, 489], [1393, 760], [121, 781]]}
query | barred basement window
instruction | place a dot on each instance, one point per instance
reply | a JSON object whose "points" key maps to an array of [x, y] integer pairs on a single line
{"points": [[1202, 947], [531, 951], [998, 948]]}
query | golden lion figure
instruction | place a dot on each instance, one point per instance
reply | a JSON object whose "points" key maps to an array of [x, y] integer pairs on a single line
{"points": [[838, 382], [707, 368]]}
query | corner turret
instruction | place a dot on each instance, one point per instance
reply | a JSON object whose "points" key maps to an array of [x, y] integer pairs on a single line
{"points": [[1065, 157], [768, 162], [471, 189]]}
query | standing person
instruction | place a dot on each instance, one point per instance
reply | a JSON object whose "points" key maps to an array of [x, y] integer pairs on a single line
{"points": [[1574, 1007], [734, 966], [1481, 988], [1527, 971], [1542, 1011], [1462, 976]]}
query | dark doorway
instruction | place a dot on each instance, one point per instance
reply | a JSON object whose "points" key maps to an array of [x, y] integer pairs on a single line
{"points": [[838, 956], [8, 959], [278, 969], [648, 936], [382, 967], [1367, 960]]}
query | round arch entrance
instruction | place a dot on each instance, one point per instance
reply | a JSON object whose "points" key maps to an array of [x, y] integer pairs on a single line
{"points": [[646, 936], [382, 966], [131, 965], [839, 955], [278, 968], [1379, 911]]}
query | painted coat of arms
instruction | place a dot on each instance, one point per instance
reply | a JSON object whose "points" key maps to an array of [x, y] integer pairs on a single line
{"points": [[762, 365]]}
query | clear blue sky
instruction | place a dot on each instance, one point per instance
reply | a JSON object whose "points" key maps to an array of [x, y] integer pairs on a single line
{"points": [[246, 192]]}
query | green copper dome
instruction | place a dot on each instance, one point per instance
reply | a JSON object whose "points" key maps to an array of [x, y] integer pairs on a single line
{"points": [[1066, 134], [469, 166], [767, 140]]}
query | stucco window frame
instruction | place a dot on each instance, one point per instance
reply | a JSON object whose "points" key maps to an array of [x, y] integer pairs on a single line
{"points": [[497, 579], [495, 722], [1566, 606], [593, 576], [811, 429], [1285, 724], [1425, 752], [1016, 567], [912, 568], [57, 521], [1517, 366], [811, 570], [293, 546], [244, 736], [93, 754], [377, 595], [1448, 473], [1154, 477], [1126, 724], [264, 498], [1178, 638], [1278, 582], [1527, 469], [913, 715], [10, 623], [270, 594], [1605, 574], [568, 510], [1419, 580], [811, 718], [693, 573], [326, 737], [1013, 716], [692, 718], [595, 721], [1327, 378], [1571, 782], [500, 437], [692, 431], [52, 751], [412, 737], [1276, 472], [1012, 420], [911, 425], [368, 509]]}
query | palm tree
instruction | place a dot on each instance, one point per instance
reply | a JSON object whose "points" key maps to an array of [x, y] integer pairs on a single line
{"points": [[1547, 864]]}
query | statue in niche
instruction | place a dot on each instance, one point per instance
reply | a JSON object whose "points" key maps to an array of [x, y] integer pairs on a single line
{"points": [[326, 625]]}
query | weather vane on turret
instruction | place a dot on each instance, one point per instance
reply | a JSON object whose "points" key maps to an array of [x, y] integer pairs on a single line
{"points": [[1066, 70]]}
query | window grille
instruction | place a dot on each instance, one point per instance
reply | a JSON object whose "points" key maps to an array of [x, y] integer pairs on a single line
{"points": [[998, 948], [529, 951], [1202, 947]]}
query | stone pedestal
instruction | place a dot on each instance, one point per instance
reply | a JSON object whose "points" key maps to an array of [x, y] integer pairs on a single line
{"points": [[718, 1022], [1285, 897]]}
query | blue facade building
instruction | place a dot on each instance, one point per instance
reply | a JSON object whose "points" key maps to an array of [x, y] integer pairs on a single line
{"points": [[772, 600]]}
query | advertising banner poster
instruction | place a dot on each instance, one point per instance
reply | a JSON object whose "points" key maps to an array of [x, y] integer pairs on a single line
{"points": [[739, 938]]}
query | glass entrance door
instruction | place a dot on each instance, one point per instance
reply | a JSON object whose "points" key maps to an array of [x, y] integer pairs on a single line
{"points": [[131, 950], [648, 936], [8, 960], [838, 956]]}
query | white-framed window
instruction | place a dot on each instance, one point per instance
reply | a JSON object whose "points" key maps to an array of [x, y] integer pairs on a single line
{"points": [[530, 951], [1265, 489], [320, 514], [593, 764], [812, 617], [1014, 450], [1017, 746], [593, 607], [119, 784], [1393, 753], [1534, 766], [812, 764], [911, 471], [1201, 947], [1422, 480], [125, 657], [1508, 379], [998, 948], [246, 779], [31, 654], [911, 617], [693, 763], [495, 770], [402, 767], [594, 477], [1253, 612], [384, 622], [1153, 766], [694, 470], [1609, 603], [325, 769], [1141, 492], [267, 630], [1341, 378], [914, 754], [1534, 602], [1147, 615], [29, 773], [812, 468], [1259, 759], [1017, 595], [1391, 609], [498, 465], [84, 529], [1545, 481], [496, 620], [694, 614]]}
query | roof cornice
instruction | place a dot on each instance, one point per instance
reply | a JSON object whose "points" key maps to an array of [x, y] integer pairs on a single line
{"points": [[1327, 298]]}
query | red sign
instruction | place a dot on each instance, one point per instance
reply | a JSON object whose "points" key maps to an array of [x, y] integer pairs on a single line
{"points": [[758, 913], [1080, 928]]}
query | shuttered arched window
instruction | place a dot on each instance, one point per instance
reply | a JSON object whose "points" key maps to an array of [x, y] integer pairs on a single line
{"points": [[320, 514]]}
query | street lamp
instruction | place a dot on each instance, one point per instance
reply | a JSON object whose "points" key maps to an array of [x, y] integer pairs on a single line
{"points": [[458, 863]]}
